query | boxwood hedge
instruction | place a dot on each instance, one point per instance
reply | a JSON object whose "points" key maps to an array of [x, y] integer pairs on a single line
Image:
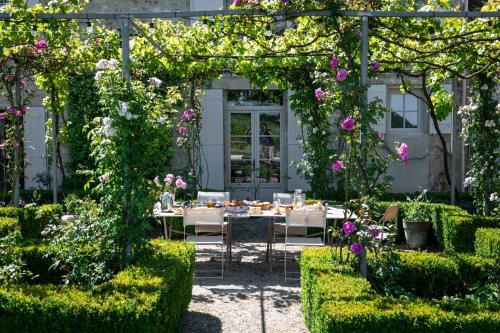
{"points": [[33, 219], [487, 242], [336, 299], [8, 225], [150, 296]]}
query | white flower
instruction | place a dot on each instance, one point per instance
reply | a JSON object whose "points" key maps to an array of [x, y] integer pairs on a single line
{"points": [[494, 197], [104, 178], [310, 118], [102, 64], [474, 107], [324, 132], [98, 76], [123, 110], [106, 142], [161, 121], [484, 87], [107, 127], [469, 181], [489, 123], [315, 129], [154, 81], [112, 63]]}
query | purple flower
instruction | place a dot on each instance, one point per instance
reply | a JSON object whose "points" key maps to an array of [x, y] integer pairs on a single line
{"points": [[182, 130], [9, 77], [41, 44], [403, 152], [318, 93], [375, 233], [334, 63], [2, 116], [237, 2], [189, 112], [337, 165], [348, 124], [11, 110], [179, 183], [349, 227], [184, 117], [341, 75], [357, 248], [375, 66]]}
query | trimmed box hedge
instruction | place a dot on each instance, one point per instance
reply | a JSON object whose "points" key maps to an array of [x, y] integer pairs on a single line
{"points": [[33, 219], [150, 296], [487, 242], [8, 225], [336, 299]]}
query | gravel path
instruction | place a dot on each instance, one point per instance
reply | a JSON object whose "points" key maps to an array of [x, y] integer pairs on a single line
{"points": [[250, 299]]}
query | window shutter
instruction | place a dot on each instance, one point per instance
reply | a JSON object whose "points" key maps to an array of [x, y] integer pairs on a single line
{"points": [[212, 139], [34, 134], [379, 91], [294, 151], [445, 124]]}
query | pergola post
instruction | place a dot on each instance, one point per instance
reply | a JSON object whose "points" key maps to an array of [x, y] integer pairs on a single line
{"points": [[125, 48], [453, 147], [54, 156]]}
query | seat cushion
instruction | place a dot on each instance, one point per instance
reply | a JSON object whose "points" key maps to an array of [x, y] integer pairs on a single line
{"points": [[209, 228], [303, 241], [206, 240]]}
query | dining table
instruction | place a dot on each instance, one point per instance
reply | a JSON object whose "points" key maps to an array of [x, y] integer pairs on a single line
{"points": [[335, 213]]}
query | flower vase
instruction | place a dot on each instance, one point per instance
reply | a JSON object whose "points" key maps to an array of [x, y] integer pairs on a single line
{"points": [[167, 201]]}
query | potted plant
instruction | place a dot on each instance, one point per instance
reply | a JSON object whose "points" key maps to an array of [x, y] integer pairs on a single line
{"points": [[417, 222]]}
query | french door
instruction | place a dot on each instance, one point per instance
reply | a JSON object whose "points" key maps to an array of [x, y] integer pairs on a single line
{"points": [[255, 152]]}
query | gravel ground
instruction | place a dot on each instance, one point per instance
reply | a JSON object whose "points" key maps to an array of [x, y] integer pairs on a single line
{"points": [[249, 299]]}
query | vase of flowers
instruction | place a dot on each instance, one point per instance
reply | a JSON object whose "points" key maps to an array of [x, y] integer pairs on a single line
{"points": [[169, 188]]}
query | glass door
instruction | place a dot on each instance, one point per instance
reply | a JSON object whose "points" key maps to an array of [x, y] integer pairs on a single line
{"points": [[255, 162]]}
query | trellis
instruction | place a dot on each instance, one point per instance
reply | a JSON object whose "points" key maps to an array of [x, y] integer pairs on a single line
{"points": [[125, 20]]}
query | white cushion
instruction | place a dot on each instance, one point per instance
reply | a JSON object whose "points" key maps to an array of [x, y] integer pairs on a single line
{"points": [[205, 239], [302, 241]]}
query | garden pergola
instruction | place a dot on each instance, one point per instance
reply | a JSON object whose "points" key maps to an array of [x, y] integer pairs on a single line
{"points": [[125, 20]]}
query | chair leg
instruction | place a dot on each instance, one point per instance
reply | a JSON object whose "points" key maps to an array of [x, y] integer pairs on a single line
{"points": [[222, 270], [285, 261]]}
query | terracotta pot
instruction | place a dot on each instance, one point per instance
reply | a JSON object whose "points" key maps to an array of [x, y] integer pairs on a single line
{"points": [[416, 233]]}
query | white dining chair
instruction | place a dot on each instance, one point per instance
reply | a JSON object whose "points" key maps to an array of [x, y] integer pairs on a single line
{"points": [[204, 197], [203, 216], [305, 219]]}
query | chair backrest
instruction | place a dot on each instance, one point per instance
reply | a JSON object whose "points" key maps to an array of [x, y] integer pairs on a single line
{"points": [[219, 196], [391, 213], [203, 216], [306, 218]]}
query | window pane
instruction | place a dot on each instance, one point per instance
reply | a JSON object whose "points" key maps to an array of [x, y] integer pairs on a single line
{"points": [[397, 102], [241, 172], [241, 148], [269, 123], [410, 103], [254, 97], [396, 119], [411, 119], [270, 148], [269, 172], [241, 124]]}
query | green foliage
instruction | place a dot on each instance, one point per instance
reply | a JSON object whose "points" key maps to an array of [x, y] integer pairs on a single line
{"points": [[33, 219], [12, 265], [150, 296], [487, 242], [82, 108], [459, 231], [8, 225], [334, 299], [86, 249], [38, 262]]}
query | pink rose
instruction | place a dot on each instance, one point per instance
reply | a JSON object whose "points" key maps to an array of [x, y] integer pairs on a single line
{"points": [[184, 117], [337, 165], [348, 124], [2, 116], [334, 63], [41, 44], [318, 93], [190, 112], [375, 66], [169, 179], [19, 113], [403, 152], [182, 130], [341, 75], [179, 183], [357, 248], [237, 2]]}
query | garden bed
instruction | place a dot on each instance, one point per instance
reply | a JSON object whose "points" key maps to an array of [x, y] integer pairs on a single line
{"points": [[336, 299], [152, 295]]}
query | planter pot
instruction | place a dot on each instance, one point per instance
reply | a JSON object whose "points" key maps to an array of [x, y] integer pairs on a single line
{"points": [[416, 233]]}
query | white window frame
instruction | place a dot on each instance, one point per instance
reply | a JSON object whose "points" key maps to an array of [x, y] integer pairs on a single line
{"points": [[420, 128]]}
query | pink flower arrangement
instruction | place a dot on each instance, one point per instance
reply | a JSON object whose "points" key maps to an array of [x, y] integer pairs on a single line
{"points": [[334, 63], [403, 152], [169, 179], [337, 165], [348, 124], [182, 130], [349, 227], [357, 248], [341, 75]]}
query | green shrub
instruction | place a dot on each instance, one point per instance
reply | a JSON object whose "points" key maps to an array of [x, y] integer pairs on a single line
{"points": [[487, 242], [8, 225], [459, 231], [39, 262], [150, 296], [334, 299], [33, 219]]}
